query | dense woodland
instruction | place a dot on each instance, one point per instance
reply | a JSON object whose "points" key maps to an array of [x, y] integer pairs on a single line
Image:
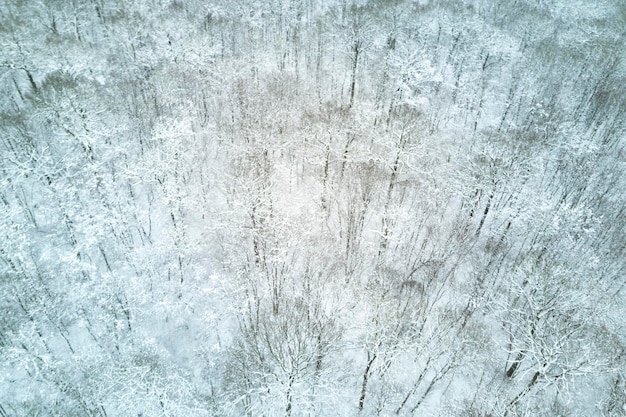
{"points": [[304, 208]]}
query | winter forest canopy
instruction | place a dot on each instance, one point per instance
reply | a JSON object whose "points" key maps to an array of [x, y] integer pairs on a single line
{"points": [[300, 208]]}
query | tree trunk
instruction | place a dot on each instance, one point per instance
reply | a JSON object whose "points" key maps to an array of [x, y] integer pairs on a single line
{"points": [[356, 48], [366, 375]]}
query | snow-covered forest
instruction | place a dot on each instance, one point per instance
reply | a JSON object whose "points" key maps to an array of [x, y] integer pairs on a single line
{"points": [[291, 208]]}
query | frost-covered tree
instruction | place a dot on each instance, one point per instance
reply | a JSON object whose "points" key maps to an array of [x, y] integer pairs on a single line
{"points": [[300, 208]]}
